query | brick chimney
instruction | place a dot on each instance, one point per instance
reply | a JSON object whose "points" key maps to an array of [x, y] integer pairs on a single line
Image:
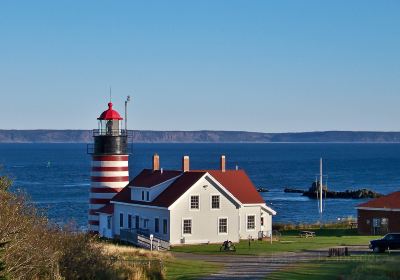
{"points": [[156, 162], [185, 164], [222, 163]]}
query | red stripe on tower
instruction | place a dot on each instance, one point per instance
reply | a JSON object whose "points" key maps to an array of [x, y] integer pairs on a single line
{"points": [[110, 158], [110, 179], [119, 168]]}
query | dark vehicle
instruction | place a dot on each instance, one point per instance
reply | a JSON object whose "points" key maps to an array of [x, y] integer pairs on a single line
{"points": [[390, 241]]}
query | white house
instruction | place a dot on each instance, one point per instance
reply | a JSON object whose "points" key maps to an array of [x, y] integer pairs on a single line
{"points": [[188, 206]]}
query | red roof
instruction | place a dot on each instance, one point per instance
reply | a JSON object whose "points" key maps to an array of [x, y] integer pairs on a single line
{"points": [[390, 201], [239, 184], [235, 181], [168, 196], [149, 178], [110, 114], [106, 209]]}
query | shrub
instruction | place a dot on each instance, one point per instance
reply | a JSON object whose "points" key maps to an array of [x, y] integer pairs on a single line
{"points": [[34, 248]]}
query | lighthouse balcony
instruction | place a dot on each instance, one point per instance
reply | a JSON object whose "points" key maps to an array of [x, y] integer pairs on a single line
{"points": [[112, 132], [111, 144]]}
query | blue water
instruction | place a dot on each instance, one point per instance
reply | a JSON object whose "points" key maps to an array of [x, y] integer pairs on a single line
{"points": [[57, 176]]}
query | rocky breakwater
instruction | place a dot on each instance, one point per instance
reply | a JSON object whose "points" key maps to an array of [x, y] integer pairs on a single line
{"points": [[313, 191]]}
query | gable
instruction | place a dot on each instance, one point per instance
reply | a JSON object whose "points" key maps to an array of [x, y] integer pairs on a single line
{"points": [[149, 178], [205, 187], [166, 198]]}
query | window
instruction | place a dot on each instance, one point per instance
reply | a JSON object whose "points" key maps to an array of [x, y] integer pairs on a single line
{"points": [[121, 220], [156, 225], [262, 221], [147, 196], [109, 219], [215, 202], [165, 226], [146, 223], [251, 222], [194, 202], [143, 195], [137, 221], [129, 221], [187, 226], [223, 225]]}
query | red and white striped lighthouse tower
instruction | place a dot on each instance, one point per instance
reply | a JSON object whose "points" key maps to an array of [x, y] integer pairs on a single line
{"points": [[110, 172]]}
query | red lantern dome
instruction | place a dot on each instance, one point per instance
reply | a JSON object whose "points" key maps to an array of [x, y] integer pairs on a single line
{"points": [[110, 114]]}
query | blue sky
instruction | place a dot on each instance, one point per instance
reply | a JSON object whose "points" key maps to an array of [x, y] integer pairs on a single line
{"points": [[270, 66]]}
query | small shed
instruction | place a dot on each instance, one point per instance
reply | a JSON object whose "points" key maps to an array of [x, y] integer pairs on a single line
{"points": [[379, 216]]}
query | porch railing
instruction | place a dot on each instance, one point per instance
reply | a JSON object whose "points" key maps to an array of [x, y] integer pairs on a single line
{"points": [[141, 238]]}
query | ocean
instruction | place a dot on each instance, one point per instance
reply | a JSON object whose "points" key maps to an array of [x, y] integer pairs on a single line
{"points": [[57, 176]]}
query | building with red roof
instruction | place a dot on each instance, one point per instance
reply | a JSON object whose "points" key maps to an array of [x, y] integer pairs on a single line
{"points": [[380, 215], [188, 206]]}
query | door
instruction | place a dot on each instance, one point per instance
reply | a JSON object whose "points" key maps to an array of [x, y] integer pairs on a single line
{"points": [[384, 225]]}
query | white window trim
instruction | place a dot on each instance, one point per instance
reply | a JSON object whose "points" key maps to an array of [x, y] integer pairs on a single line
{"points": [[191, 227], [255, 223], [215, 194], [190, 202], [227, 226]]}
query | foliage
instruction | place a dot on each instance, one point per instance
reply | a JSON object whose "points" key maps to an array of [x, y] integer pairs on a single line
{"points": [[342, 224], [34, 248], [1, 263]]}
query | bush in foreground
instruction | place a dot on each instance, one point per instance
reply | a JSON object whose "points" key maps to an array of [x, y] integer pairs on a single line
{"points": [[34, 248]]}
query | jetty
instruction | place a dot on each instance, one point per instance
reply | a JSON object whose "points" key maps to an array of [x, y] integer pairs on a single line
{"points": [[312, 192]]}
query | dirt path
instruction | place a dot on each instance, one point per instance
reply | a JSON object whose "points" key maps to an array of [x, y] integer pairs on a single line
{"points": [[258, 267]]}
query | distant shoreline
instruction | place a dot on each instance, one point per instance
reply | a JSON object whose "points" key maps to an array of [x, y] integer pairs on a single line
{"points": [[204, 136]]}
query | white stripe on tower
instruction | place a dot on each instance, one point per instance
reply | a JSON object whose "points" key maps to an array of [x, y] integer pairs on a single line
{"points": [[109, 175]]}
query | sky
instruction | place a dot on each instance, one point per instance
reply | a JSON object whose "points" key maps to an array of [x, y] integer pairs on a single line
{"points": [[268, 66]]}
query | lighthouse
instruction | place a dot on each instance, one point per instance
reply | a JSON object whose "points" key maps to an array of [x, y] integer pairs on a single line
{"points": [[110, 170]]}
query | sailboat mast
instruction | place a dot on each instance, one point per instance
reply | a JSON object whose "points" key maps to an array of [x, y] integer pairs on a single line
{"points": [[320, 187]]}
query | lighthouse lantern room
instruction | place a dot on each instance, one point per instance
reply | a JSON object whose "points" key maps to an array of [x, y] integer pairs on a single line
{"points": [[110, 170]]}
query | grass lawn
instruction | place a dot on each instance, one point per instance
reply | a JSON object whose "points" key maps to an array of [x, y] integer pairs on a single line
{"points": [[179, 269], [289, 242], [370, 267]]}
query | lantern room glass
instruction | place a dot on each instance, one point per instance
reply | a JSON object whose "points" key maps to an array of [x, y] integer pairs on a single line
{"points": [[110, 127]]}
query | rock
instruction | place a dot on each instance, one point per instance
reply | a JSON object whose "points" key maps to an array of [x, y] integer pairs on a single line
{"points": [[347, 194]]}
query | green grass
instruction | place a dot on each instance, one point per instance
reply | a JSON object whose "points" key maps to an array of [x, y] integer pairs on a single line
{"points": [[369, 267], [179, 269], [313, 271], [289, 242]]}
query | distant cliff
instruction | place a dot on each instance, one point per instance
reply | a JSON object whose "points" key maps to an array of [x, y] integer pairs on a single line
{"points": [[146, 136]]}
